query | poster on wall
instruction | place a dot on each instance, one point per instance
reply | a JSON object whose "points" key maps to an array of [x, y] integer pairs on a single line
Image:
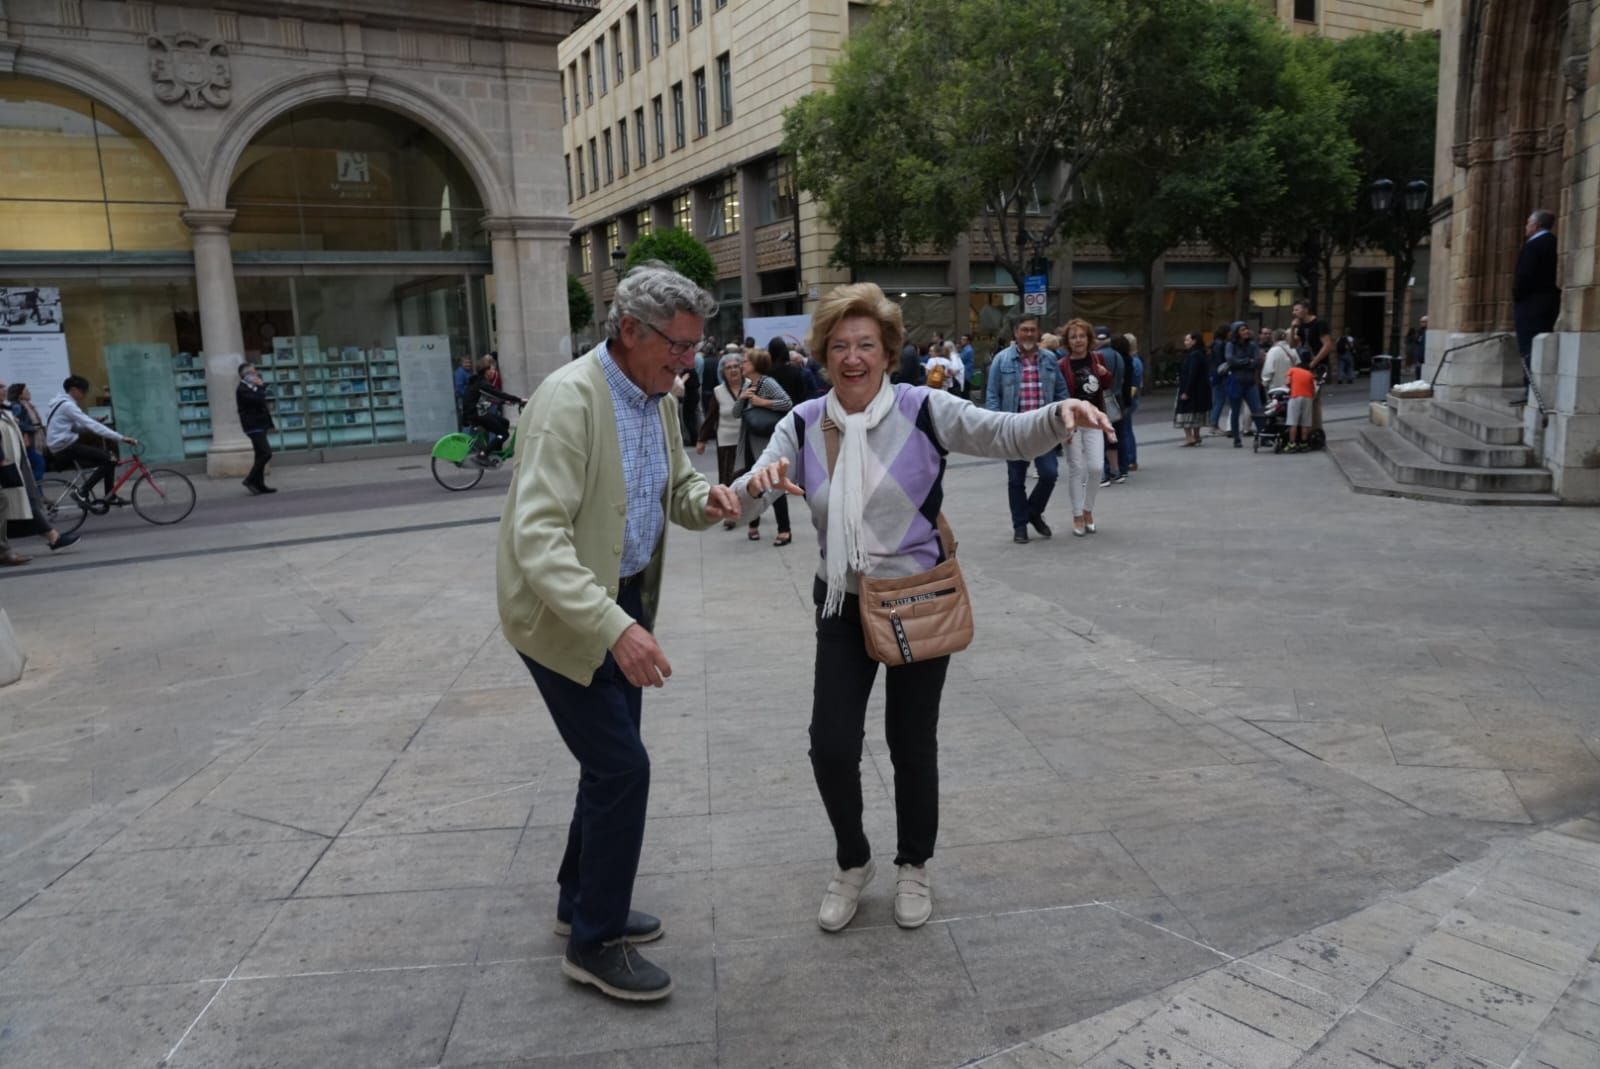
{"points": [[30, 310], [33, 348], [427, 389], [792, 329], [144, 397]]}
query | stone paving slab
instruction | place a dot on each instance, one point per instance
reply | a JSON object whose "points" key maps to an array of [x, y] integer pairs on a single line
{"points": [[297, 803], [1439, 998]]}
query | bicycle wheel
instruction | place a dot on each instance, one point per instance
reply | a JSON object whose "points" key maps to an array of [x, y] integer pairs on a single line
{"points": [[61, 510], [456, 475], [163, 496]]}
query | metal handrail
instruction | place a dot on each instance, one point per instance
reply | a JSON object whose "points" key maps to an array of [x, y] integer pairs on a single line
{"points": [[1527, 370]]}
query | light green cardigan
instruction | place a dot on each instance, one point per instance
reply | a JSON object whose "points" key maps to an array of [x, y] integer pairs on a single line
{"points": [[560, 547]]}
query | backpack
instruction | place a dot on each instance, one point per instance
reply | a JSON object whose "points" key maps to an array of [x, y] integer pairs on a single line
{"points": [[936, 377]]}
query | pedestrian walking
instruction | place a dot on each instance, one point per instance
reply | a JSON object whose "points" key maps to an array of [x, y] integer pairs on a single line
{"points": [[759, 407], [1244, 387], [1344, 352], [722, 424], [600, 469], [255, 419], [1089, 378], [1194, 389], [1119, 403], [1024, 377], [463, 375], [1130, 454], [1219, 374], [20, 400], [24, 512], [869, 459]]}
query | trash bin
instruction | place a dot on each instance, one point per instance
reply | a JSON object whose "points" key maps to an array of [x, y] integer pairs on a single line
{"points": [[1383, 366]]}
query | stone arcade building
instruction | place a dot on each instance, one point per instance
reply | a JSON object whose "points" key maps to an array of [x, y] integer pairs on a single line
{"points": [[349, 193], [1519, 129]]}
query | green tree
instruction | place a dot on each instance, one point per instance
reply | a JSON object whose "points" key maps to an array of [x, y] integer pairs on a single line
{"points": [[580, 306], [1390, 83], [1284, 159], [1155, 182], [943, 112], [679, 250]]}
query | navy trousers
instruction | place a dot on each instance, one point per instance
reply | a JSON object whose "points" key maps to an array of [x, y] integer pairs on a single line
{"points": [[1025, 506], [600, 725]]}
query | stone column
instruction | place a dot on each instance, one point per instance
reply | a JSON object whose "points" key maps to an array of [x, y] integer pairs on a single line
{"points": [[509, 336], [530, 271], [223, 337]]}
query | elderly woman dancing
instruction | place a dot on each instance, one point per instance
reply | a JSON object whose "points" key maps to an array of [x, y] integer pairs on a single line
{"points": [[873, 510]]}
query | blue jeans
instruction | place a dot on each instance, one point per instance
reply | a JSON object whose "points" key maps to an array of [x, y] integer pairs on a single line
{"points": [[36, 462], [1130, 446], [1025, 506], [1347, 367], [1219, 397], [600, 725], [1249, 394]]}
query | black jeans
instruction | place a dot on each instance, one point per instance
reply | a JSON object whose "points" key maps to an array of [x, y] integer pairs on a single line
{"points": [[600, 725], [258, 470], [844, 677], [90, 456]]}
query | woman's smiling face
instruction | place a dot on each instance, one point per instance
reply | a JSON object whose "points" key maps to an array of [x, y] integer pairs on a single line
{"points": [[856, 361]]}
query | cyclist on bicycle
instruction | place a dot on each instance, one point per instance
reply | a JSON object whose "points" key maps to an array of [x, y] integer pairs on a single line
{"points": [[481, 404], [64, 421]]}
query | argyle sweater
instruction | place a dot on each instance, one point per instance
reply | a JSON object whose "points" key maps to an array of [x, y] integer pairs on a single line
{"points": [[905, 471]]}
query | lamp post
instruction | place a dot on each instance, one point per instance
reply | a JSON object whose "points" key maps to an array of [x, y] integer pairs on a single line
{"points": [[619, 256], [1404, 223]]}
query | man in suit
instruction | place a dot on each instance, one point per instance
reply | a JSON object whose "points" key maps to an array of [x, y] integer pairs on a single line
{"points": [[1535, 297], [600, 470]]}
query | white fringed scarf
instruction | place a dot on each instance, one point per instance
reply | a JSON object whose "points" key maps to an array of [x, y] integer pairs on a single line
{"points": [[848, 537]]}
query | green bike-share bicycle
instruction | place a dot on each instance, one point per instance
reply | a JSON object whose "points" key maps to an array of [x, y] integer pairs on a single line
{"points": [[461, 457]]}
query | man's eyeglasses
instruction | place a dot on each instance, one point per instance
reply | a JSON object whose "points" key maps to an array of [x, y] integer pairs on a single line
{"points": [[674, 345]]}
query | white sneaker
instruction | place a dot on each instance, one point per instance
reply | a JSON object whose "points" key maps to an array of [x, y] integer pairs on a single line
{"points": [[913, 897], [839, 903]]}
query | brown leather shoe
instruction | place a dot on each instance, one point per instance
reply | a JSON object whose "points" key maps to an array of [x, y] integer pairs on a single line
{"points": [[11, 560]]}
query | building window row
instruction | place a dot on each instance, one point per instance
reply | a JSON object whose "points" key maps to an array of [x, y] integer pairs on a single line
{"points": [[594, 61]]}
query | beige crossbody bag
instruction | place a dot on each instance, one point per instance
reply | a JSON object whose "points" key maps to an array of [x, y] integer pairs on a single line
{"points": [[916, 617]]}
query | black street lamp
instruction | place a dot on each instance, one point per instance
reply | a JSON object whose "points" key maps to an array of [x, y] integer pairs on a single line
{"points": [[618, 258], [1406, 217]]}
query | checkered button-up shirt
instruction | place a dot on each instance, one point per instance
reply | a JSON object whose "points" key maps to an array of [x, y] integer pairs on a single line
{"points": [[645, 468], [1030, 390]]}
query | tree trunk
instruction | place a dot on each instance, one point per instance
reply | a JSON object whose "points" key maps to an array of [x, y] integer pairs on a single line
{"points": [[1241, 296]]}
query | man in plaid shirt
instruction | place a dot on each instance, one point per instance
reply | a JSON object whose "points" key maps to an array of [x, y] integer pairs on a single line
{"points": [[1024, 377]]}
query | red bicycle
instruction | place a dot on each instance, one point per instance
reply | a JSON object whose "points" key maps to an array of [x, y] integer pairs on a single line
{"points": [[159, 495]]}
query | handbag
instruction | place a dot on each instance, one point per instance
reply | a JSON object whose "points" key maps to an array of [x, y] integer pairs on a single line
{"points": [[914, 617], [10, 477], [761, 422]]}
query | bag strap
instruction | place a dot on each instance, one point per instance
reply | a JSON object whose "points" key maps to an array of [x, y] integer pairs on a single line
{"points": [[830, 438]]}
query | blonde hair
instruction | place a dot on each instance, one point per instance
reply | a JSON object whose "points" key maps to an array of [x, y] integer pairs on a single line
{"points": [[857, 299], [1050, 341], [1066, 333], [1133, 343], [759, 359]]}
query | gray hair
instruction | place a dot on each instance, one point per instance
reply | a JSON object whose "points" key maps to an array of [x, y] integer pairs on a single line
{"points": [[653, 293], [730, 360], [1543, 218]]}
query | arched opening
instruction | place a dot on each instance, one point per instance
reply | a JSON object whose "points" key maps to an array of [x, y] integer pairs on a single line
{"points": [[1514, 131], [362, 271], [96, 272]]}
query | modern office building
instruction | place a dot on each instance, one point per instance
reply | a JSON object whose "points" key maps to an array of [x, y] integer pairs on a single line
{"points": [[349, 193], [673, 117]]}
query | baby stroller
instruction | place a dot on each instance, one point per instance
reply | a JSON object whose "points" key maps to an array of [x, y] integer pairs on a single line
{"points": [[1272, 430]]}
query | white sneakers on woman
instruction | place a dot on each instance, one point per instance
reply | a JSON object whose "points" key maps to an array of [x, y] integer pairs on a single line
{"points": [[844, 890], [913, 897]]}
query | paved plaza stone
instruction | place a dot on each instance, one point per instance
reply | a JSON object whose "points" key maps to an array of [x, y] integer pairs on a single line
{"points": [[1262, 774]]}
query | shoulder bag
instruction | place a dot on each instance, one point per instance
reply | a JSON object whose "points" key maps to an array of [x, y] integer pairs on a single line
{"points": [[915, 617]]}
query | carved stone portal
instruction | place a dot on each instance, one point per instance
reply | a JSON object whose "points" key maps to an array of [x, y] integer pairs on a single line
{"points": [[191, 68]]}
